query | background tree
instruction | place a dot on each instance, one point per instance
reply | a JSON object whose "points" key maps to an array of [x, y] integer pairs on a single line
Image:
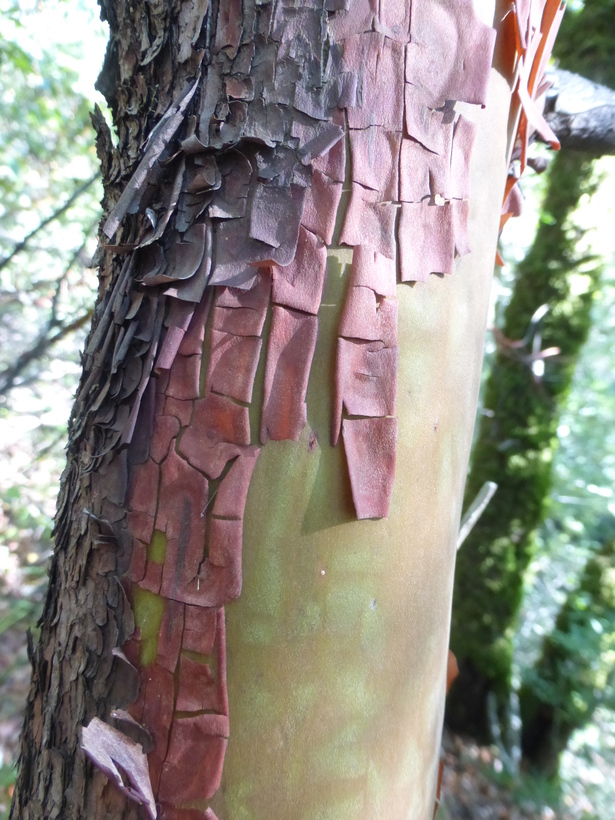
{"points": [[515, 446], [516, 442]]}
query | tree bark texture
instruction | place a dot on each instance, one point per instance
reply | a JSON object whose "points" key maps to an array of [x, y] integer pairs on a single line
{"points": [[288, 177]]}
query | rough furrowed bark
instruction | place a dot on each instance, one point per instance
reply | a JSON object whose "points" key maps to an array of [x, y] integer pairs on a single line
{"points": [[284, 173]]}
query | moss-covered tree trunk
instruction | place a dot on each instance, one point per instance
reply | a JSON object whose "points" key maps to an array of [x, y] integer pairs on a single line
{"points": [[248, 611], [516, 441], [515, 445]]}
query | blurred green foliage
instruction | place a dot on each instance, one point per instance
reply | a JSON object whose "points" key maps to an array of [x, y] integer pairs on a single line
{"points": [[584, 43], [47, 161]]}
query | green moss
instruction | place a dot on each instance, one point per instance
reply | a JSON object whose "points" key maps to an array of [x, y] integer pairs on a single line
{"points": [[148, 610], [157, 547], [585, 41]]}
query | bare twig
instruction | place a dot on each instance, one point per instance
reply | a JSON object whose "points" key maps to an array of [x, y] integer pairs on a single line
{"points": [[20, 246], [9, 376], [53, 318], [475, 510]]}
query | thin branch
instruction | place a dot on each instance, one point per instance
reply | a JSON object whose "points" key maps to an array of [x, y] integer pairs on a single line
{"points": [[581, 112], [9, 376], [475, 510], [20, 246], [53, 320]]}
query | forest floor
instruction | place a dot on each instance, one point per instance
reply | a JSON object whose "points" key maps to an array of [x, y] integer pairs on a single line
{"points": [[475, 786]]}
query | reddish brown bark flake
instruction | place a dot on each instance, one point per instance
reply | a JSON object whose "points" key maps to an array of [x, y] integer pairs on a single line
{"points": [[184, 497], [185, 778], [232, 365], [228, 30], [219, 430], [157, 714], [152, 578], [108, 748], [370, 446], [170, 346], [422, 173], [142, 495], [225, 544], [369, 221], [182, 410], [351, 20], [375, 160], [230, 499], [170, 635], [141, 525], [300, 284], [333, 163], [137, 566], [184, 380], [371, 269], [426, 240], [256, 298], [381, 63], [364, 317], [451, 51], [289, 357], [212, 587], [318, 140], [238, 321], [433, 129], [366, 380], [200, 629], [197, 690], [166, 429], [320, 207], [192, 343]]}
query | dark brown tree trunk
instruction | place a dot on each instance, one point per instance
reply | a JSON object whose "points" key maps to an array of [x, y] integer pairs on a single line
{"points": [[263, 149]]}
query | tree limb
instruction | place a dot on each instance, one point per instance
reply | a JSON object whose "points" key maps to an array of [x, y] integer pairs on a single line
{"points": [[20, 246], [475, 510], [9, 376], [581, 112]]}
